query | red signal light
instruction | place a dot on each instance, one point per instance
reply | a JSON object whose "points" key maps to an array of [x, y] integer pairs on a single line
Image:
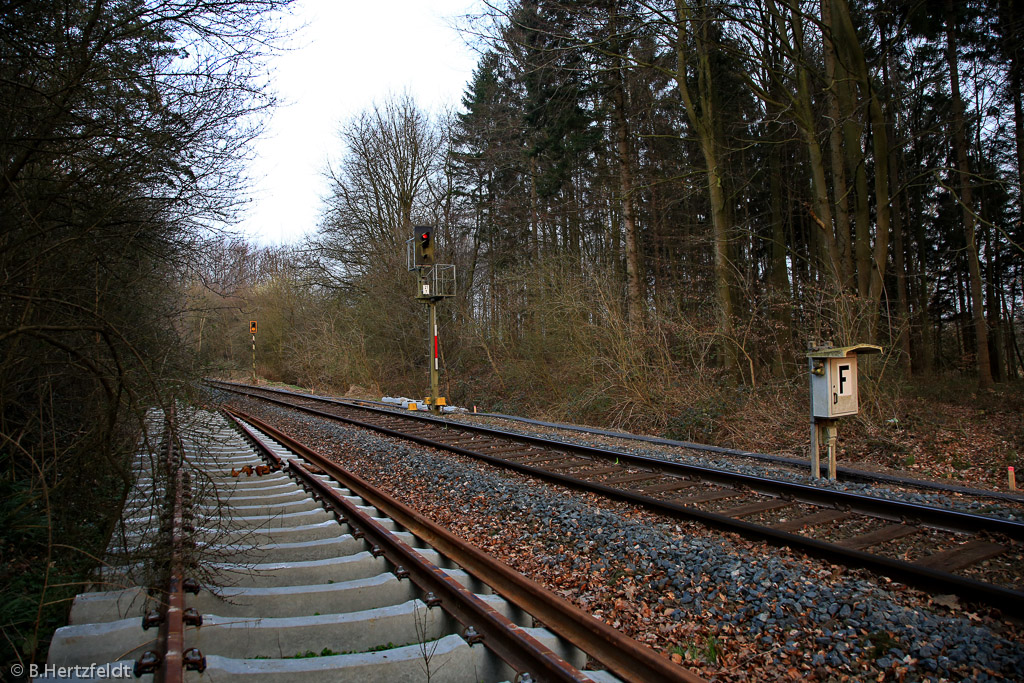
{"points": [[425, 249]]}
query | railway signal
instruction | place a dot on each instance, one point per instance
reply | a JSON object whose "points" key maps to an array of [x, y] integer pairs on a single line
{"points": [[833, 394], [436, 281], [252, 331], [425, 244]]}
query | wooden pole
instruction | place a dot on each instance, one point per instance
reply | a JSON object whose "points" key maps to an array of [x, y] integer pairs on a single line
{"points": [[815, 458], [830, 431]]}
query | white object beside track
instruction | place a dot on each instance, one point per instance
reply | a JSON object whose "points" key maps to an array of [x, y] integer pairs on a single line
{"points": [[281, 577]]}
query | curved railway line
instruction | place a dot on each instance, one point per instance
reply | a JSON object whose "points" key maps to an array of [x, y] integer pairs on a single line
{"points": [[977, 557], [246, 555]]}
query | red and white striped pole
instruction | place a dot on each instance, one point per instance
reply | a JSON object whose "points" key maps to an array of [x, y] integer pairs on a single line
{"points": [[435, 360]]}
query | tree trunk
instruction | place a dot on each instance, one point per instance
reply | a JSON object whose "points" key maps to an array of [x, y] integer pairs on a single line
{"points": [[778, 269], [926, 357], [992, 278], [849, 49], [822, 208], [1013, 353], [902, 299], [967, 201], [856, 164], [702, 122], [898, 227], [1009, 11], [634, 295], [837, 83], [534, 220]]}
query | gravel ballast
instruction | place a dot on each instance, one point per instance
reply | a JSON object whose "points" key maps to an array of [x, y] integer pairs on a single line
{"points": [[729, 608], [749, 465]]}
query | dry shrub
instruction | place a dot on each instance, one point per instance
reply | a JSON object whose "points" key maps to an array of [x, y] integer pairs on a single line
{"points": [[573, 355]]}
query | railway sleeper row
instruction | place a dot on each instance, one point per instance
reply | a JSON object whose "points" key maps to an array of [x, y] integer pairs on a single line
{"points": [[283, 590], [966, 554]]}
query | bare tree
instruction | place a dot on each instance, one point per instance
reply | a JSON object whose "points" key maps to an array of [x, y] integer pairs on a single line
{"points": [[393, 154]]}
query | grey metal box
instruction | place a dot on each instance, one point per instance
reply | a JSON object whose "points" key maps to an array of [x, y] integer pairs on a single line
{"points": [[834, 391]]}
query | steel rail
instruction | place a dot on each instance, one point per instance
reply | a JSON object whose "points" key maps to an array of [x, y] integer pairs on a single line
{"points": [[518, 649], [623, 656], [843, 473], [894, 510], [253, 439], [169, 660], [172, 629], [1008, 600], [846, 473]]}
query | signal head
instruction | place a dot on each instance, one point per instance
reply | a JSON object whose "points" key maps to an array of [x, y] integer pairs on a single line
{"points": [[425, 245]]}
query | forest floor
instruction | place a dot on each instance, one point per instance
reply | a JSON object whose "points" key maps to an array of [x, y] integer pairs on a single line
{"points": [[948, 432]]}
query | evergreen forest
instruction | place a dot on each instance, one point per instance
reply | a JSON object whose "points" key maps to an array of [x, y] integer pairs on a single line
{"points": [[655, 208]]}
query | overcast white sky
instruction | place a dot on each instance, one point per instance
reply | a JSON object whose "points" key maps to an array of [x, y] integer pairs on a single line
{"points": [[349, 55]]}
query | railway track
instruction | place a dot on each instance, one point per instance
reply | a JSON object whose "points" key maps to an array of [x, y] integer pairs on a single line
{"points": [[782, 465], [733, 456], [976, 557], [245, 555]]}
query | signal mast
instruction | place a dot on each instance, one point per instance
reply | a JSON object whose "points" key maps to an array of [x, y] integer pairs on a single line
{"points": [[436, 281]]}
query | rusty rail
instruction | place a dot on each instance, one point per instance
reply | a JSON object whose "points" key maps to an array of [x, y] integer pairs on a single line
{"points": [[517, 648], [170, 658], [251, 437], [623, 656]]}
